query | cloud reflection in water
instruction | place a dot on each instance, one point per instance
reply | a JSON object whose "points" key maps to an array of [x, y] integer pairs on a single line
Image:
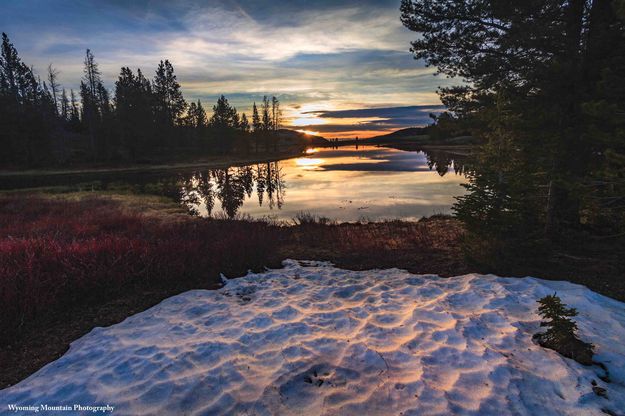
{"points": [[346, 184]]}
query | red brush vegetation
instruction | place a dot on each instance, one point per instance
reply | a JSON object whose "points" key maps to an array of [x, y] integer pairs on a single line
{"points": [[56, 254]]}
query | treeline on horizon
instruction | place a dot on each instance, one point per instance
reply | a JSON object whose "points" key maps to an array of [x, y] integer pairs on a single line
{"points": [[43, 123], [545, 89]]}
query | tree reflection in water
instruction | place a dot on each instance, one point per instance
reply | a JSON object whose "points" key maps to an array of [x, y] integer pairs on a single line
{"points": [[442, 161], [231, 186], [223, 192]]}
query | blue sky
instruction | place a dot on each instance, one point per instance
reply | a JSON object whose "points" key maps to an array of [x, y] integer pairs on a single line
{"points": [[319, 57]]}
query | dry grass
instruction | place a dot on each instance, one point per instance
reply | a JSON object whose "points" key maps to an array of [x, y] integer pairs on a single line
{"points": [[429, 246]]}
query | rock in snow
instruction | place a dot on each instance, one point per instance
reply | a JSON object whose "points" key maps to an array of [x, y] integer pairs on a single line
{"points": [[312, 339]]}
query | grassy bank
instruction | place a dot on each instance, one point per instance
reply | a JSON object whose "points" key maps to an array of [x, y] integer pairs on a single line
{"points": [[13, 179]]}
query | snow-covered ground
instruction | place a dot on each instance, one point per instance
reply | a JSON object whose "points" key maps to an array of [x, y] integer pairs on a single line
{"points": [[312, 339]]}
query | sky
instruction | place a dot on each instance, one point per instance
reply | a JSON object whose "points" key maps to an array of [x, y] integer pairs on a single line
{"points": [[339, 68]]}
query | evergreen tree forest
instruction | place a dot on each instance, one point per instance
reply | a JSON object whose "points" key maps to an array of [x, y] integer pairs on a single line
{"points": [[144, 118], [542, 82]]}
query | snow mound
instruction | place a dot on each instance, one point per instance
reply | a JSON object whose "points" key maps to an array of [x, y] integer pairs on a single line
{"points": [[317, 340]]}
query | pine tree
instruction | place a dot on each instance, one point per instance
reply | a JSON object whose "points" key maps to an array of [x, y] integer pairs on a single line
{"points": [[145, 114], [200, 116], [196, 116], [133, 100], [535, 86], [26, 110], [93, 96], [55, 88], [170, 104], [190, 120], [266, 124], [561, 334], [224, 115], [65, 109], [11, 67], [126, 96], [256, 126], [244, 124], [74, 115], [276, 116], [276, 113], [224, 121], [557, 316]]}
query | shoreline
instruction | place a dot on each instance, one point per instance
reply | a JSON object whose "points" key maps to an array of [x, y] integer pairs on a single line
{"points": [[221, 161], [216, 162]]}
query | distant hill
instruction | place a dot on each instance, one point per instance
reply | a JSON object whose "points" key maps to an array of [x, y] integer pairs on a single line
{"points": [[419, 136], [408, 133], [297, 137]]}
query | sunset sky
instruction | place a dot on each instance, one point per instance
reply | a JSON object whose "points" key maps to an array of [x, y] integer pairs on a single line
{"points": [[340, 68]]}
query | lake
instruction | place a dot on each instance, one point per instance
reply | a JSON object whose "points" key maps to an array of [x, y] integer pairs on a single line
{"points": [[343, 184]]}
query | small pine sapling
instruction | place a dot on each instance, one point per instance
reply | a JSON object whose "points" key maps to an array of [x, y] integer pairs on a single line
{"points": [[561, 334]]}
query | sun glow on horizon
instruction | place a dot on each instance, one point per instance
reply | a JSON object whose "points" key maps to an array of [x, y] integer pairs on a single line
{"points": [[309, 132]]}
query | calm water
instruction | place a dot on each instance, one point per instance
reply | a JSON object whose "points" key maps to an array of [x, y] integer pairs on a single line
{"points": [[346, 184]]}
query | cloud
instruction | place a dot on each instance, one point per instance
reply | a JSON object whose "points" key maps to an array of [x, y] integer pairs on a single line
{"points": [[372, 119], [388, 112], [317, 54]]}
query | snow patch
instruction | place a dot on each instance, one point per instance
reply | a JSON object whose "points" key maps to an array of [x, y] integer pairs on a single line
{"points": [[317, 340]]}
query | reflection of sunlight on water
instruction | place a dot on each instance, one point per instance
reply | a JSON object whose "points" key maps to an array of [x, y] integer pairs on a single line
{"points": [[308, 162], [345, 184]]}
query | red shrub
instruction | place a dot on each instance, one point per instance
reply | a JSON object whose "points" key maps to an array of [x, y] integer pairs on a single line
{"points": [[56, 253]]}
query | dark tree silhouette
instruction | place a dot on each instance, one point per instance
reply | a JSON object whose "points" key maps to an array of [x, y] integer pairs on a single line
{"points": [[224, 121], [244, 125], [95, 104], [256, 126], [224, 115], [26, 107], [65, 109], [55, 88], [43, 124], [541, 89], [133, 104], [196, 116], [169, 104]]}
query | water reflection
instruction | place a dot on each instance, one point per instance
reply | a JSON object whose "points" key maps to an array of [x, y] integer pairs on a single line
{"points": [[346, 184], [442, 161], [231, 187]]}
